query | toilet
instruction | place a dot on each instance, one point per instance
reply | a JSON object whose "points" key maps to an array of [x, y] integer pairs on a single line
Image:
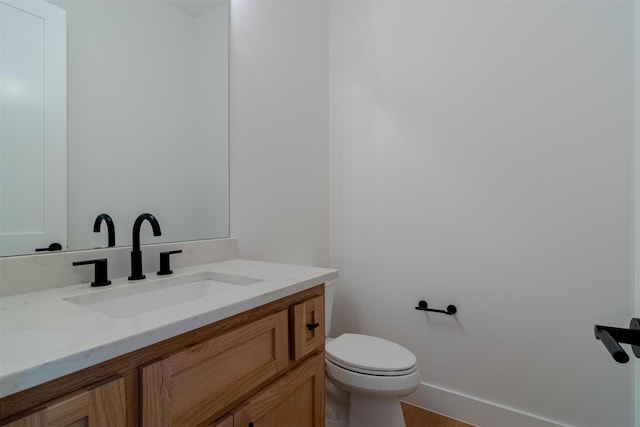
{"points": [[365, 377]]}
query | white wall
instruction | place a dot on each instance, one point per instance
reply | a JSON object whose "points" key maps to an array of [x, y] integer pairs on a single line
{"points": [[279, 130], [482, 156]]}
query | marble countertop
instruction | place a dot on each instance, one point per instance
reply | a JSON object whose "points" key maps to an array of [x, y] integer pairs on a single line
{"points": [[43, 336]]}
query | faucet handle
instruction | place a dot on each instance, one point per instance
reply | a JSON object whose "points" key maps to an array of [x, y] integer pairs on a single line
{"points": [[165, 267], [100, 275]]}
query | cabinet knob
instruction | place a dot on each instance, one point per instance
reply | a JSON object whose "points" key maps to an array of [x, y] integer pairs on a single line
{"points": [[312, 326]]}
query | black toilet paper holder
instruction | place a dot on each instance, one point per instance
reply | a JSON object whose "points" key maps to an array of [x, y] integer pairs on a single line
{"points": [[451, 309]]}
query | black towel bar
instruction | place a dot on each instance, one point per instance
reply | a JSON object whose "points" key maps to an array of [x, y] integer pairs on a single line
{"points": [[451, 309]]}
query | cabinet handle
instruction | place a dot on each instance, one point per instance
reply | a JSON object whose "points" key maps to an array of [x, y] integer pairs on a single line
{"points": [[52, 247], [312, 326]]}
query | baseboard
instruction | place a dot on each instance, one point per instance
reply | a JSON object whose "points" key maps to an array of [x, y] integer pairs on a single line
{"points": [[472, 410]]}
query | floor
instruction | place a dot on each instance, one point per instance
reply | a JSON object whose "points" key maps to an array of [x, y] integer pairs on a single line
{"points": [[418, 417]]}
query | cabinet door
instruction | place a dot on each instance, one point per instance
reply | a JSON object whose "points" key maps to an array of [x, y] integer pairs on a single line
{"points": [[196, 384], [33, 146], [308, 327], [295, 399], [226, 421], [37, 419], [103, 405]]}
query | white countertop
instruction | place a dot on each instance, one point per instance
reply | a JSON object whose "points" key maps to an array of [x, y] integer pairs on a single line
{"points": [[43, 336]]}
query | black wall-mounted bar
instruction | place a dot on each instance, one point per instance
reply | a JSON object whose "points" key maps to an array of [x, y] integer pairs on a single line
{"points": [[422, 305], [612, 337]]}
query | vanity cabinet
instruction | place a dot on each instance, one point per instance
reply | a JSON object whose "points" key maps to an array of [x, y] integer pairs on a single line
{"points": [[264, 366], [308, 327], [187, 387], [295, 399], [102, 405]]}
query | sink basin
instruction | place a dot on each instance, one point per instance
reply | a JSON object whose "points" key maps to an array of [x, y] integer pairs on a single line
{"points": [[151, 295]]}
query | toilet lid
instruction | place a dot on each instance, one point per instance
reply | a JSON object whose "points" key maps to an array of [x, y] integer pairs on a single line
{"points": [[370, 355]]}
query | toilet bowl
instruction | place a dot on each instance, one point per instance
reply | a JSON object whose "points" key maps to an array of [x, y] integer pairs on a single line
{"points": [[366, 377]]}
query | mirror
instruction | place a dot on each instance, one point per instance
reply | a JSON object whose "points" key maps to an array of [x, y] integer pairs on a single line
{"points": [[147, 118]]}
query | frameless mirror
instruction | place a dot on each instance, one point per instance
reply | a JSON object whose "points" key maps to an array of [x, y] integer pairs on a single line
{"points": [[147, 119]]}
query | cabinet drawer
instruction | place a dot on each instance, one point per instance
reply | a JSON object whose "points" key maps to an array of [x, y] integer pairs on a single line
{"points": [[308, 327], [295, 399], [102, 405], [197, 383]]}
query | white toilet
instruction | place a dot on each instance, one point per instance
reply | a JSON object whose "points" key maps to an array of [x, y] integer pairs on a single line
{"points": [[366, 377]]}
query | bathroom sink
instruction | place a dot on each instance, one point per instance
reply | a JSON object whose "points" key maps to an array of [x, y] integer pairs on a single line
{"points": [[155, 294]]}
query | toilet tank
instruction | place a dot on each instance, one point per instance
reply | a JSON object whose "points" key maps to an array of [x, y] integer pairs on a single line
{"points": [[329, 295]]}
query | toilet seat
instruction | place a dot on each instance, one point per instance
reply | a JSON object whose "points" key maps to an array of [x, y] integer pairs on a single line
{"points": [[369, 355]]}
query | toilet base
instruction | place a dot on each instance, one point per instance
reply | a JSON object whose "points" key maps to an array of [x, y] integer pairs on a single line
{"points": [[336, 405], [367, 411]]}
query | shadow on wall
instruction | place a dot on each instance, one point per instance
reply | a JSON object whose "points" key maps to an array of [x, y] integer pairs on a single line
{"points": [[346, 316]]}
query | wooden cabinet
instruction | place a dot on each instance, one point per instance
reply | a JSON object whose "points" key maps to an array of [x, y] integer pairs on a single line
{"points": [[191, 385], [34, 420], [295, 399], [264, 366], [226, 421], [307, 327], [102, 405]]}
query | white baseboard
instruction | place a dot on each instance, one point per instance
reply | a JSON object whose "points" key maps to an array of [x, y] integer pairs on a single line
{"points": [[472, 410]]}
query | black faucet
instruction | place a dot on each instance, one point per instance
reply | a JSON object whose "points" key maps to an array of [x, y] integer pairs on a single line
{"points": [[136, 254], [111, 232]]}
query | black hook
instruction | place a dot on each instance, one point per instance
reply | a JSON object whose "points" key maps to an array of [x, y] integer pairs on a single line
{"points": [[451, 309]]}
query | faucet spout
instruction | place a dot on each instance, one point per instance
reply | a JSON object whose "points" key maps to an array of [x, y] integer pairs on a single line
{"points": [[111, 232], [136, 253]]}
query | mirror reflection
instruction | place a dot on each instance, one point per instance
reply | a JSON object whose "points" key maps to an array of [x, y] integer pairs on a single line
{"points": [[147, 121]]}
